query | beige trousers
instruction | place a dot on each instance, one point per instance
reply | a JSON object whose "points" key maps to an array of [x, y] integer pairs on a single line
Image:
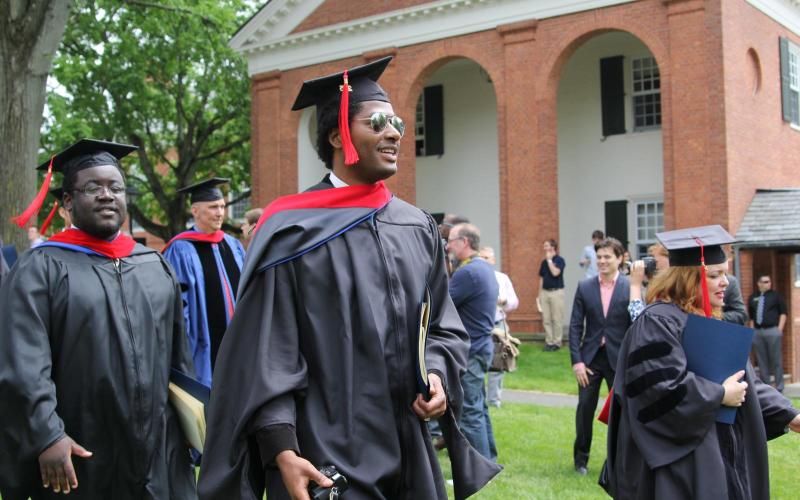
{"points": [[552, 302]]}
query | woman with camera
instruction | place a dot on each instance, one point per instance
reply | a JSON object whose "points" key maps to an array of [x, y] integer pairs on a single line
{"points": [[664, 441]]}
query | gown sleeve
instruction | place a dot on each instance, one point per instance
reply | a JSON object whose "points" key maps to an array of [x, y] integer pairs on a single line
{"points": [[258, 372], [776, 410], [29, 423], [669, 408], [181, 358]]}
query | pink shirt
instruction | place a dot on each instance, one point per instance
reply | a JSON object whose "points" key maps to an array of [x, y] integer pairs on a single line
{"points": [[606, 291]]}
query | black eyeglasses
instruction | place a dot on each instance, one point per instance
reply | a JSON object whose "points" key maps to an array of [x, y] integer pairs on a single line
{"points": [[378, 121], [92, 189]]}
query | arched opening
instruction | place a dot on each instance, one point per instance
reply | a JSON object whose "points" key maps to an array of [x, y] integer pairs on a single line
{"points": [[610, 155], [455, 138]]}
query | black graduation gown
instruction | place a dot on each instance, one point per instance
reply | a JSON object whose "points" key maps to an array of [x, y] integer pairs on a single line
{"points": [[321, 344], [663, 441], [85, 349]]}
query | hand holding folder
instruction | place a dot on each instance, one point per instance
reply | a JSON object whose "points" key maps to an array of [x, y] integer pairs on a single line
{"points": [[715, 350], [419, 343]]}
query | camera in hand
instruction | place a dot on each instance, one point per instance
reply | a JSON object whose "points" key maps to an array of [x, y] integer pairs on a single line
{"points": [[649, 266], [317, 492]]}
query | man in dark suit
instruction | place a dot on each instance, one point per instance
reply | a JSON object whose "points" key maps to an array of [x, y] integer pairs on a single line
{"points": [[601, 302]]}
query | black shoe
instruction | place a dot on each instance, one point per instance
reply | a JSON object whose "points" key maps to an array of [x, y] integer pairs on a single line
{"points": [[581, 470]]}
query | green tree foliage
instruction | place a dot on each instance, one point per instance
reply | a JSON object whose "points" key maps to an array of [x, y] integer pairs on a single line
{"points": [[159, 75]]}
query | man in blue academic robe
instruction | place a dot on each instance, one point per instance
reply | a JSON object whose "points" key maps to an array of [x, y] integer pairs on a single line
{"points": [[208, 264]]}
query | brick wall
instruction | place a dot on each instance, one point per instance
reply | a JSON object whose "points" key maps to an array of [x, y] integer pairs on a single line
{"points": [[761, 147]]}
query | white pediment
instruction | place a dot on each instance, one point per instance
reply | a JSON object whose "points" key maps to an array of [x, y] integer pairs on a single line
{"points": [[267, 41], [274, 21]]}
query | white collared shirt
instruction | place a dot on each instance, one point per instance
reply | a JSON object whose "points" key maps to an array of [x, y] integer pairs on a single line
{"points": [[337, 182]]}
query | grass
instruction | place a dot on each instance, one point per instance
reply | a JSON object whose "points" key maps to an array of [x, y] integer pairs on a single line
{"points": [[543, 371], [535, 446]]}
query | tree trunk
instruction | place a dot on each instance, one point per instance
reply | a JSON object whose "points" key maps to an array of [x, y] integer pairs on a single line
{"points": [[30, 33]]}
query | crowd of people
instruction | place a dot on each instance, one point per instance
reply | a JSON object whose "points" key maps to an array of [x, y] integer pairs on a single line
{"points": [[358, 332]]}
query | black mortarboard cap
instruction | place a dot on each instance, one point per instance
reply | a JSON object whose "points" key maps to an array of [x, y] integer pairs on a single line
{"points": [[88, 153], [83, 154], [206, 190], [357, 84], [684, 245], [363, 80]]}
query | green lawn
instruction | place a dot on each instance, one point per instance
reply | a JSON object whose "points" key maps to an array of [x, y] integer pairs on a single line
{"points": [[543, 371], [535, 446]]}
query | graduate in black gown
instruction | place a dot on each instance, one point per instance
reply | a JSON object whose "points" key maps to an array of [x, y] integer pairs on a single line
{"points": [[318, 366], [91, 325], [663, 439]]}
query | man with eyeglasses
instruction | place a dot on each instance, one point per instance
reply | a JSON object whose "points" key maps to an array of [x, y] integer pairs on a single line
{"points": [[474, 290], [91, 327], [320, 365], [768, 316]]}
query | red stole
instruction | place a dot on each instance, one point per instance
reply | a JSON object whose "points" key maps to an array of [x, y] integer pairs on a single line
{"points": [[121, 246]]}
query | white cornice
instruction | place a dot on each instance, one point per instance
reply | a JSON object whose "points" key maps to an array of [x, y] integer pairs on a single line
{"points": [[274, 21], [785, 12], [267, 44]]}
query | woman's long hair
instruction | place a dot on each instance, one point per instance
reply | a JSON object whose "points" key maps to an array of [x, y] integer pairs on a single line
{"points": [[681, 286]]}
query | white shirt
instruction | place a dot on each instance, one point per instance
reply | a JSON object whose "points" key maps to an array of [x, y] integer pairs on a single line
{"points": [[337, 182], [507, 293]]}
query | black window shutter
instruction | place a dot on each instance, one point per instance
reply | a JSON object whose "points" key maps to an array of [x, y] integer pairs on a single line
{"points": [[617, 220], [786, 100], [434, 121], [612, 95]]}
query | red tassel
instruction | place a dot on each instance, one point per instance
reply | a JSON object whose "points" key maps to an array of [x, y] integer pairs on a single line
{"points": [[49, 219], [703, 282], [22, 219], [350, 153]]}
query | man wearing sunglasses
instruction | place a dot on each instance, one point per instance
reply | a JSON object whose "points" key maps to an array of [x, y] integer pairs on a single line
{"points": [[320, 364]]}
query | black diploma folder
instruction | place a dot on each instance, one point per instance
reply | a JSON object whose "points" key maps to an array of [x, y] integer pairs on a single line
{"points": [[715, 350], [190, 398]]}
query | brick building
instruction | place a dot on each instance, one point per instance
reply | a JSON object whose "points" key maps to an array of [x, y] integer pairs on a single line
{"points": [[548, 118]]}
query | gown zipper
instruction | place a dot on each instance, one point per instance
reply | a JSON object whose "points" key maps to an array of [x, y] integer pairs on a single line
{"points": [[137, 388], [403, 423]]}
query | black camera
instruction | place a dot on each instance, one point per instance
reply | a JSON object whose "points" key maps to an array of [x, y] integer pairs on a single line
{"points": [[649, 266], [317, 492]]}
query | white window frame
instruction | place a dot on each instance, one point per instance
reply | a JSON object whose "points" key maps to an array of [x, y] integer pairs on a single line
{"points": [[794, 81], [242, 205], [650, 231], [641, 65]]}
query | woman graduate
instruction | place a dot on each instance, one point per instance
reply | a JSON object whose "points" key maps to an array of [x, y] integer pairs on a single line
{"points": [[664, 441]]}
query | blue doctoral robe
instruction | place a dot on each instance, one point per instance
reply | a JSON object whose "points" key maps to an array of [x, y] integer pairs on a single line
{"points": [[188, 264]]}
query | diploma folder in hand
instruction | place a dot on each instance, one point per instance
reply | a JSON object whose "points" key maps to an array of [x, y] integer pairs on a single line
{"points": [[189, 398], [418, 343], [715, 350]]}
